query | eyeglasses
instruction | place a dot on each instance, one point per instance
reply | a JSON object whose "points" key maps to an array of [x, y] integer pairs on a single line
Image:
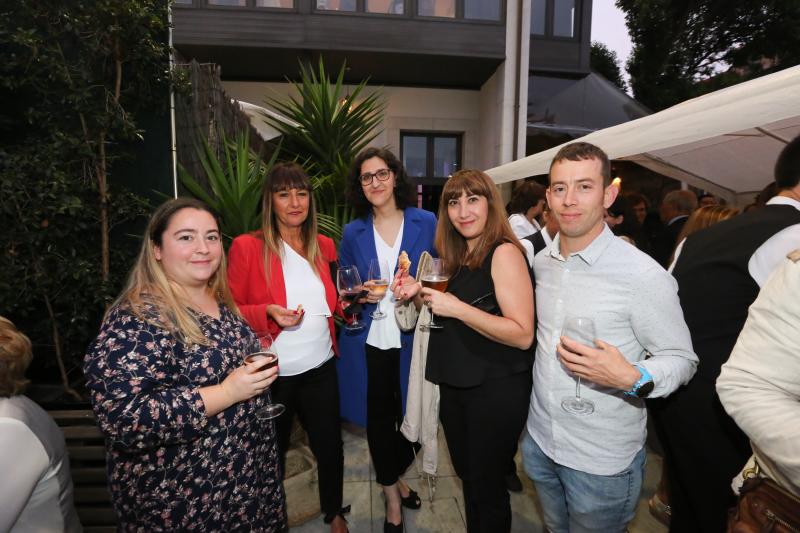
{"points": [[382, 175]]}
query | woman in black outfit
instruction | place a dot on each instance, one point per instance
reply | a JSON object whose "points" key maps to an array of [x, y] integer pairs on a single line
{"points": [[480, 358]]}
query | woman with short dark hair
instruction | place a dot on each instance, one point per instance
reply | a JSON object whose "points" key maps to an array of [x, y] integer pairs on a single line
{"points": [[375, 361]]}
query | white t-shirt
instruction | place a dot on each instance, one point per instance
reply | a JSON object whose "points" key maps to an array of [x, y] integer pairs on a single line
{"points": [[521, 226], [385, 333], [307, 345]]}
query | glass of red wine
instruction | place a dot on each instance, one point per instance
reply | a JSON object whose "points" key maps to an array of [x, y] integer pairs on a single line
{"points": [[348, 283], [261, 352]]}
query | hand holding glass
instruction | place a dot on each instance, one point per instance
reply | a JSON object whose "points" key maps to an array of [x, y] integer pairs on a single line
{"points": [[349, 285], [578, 329], [379, 274], [434, 277], [262, 353]]}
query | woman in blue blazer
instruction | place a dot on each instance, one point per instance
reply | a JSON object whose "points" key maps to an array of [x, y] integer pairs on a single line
{"points": [[374, 362]]}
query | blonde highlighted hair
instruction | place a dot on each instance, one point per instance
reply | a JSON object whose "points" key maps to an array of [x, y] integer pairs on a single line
{"points": [[450, 244], [284, 177], [15, 356], [148, 284]]}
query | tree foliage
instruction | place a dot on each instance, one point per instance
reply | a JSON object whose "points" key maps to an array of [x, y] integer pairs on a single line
{"points": [[73, 78], [679, 46], [605, 62]]}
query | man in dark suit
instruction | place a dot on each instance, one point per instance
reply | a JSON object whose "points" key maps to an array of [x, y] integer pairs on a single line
{"points": [[719, 272], [675, 210]]}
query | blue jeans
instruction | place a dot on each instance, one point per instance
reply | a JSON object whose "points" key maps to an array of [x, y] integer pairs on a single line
{"points": [[577, 502]]}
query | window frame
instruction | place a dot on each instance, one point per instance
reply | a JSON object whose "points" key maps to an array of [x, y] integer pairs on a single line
{"points": [[549, 23], [430, 136]]}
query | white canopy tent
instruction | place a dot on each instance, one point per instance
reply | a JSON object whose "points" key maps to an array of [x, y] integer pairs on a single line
{"points": [[725, 142], [256, 115]]}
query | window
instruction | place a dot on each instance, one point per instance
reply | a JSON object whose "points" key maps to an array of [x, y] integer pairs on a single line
{"points": [[429, 159], [227, 2], [555, 18], [482, 9], [391, 7], [437, 8], [286, 4], [336, 5]]}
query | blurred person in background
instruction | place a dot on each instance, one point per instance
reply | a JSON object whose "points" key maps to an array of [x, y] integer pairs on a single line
{"points": [[525, 208], [36, 492]]}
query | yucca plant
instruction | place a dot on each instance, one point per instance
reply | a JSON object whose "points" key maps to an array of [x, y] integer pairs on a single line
{"points": [[235, 181], [326, 125]]}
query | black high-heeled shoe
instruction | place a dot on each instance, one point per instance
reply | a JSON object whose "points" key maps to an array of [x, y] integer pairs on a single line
{"points": [[412, 501], [388, 527]]}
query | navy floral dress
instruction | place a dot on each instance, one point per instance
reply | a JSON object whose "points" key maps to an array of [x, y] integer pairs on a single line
{"points": [[170, 467]]}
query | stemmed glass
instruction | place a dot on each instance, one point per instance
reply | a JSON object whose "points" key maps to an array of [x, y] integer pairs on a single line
{"points": [[261, 352], [379, 277], [579, 329], [349, 285], [434, 277]]}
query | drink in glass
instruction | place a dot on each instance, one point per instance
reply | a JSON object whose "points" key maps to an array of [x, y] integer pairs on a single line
{"points": [[261, 352], [579, 329], [348, 283], [379, 278], [434, 277]]}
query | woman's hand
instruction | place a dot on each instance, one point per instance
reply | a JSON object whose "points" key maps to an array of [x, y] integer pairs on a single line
{"points": [[372, 296], [442, 303], [247, 381], [285, 318], [404, 287]]}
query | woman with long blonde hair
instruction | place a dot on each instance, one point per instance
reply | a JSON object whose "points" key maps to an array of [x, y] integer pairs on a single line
{"points": [[480, 357], [172, 394], [281, 280]]}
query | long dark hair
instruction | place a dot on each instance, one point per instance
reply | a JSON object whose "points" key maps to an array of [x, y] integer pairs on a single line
{"points": [[404, 194]]}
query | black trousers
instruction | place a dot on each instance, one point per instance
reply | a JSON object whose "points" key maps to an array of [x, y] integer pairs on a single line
{"points": [[482, 425], [314, 396], [703, 451], [391, 452]]}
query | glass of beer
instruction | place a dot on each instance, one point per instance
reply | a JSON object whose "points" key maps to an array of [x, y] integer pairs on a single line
{"points": [[262, 354], [434, 277], [348, 283], [379, 278]]}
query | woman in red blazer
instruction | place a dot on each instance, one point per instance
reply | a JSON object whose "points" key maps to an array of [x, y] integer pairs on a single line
{"points": [[272, 273]]}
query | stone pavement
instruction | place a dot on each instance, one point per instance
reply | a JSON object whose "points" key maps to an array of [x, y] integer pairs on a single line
{"points": [[446, 513]]}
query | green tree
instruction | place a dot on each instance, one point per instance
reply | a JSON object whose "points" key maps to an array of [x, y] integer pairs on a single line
{"points": [[604, 61], [679, 47], [73, 76]]}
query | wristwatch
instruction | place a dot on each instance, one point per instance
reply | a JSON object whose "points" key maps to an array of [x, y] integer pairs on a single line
{"points": [[645, 385]]}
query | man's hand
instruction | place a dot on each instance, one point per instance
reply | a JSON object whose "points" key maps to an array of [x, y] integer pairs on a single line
{"points": [[604, 365]]}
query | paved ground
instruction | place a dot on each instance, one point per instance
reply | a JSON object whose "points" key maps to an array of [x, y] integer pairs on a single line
{"points": [[446, 513]]}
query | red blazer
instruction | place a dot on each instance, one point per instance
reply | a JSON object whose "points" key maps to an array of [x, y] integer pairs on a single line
{"points": [[252, 293]]}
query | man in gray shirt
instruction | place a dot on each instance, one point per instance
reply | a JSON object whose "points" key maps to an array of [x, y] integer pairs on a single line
{"points": [[587, 457]]}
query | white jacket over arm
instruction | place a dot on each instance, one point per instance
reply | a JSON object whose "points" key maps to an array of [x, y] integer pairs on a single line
{"points": [[760, 383]]}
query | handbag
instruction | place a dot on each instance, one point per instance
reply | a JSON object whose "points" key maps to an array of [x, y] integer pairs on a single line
{"points": [[487, 303], [764, 506]]}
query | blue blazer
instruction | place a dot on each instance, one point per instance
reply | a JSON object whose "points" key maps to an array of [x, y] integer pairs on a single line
{"points": [[358, 248]]}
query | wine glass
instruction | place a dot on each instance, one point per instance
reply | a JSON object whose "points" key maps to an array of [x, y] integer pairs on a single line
{"points": [[349, 285], [379, 277], [579, 329], [434, 277], [261, 352]]}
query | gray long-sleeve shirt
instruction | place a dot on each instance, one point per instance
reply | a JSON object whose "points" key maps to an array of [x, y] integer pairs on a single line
{"points": [[634, 305]]}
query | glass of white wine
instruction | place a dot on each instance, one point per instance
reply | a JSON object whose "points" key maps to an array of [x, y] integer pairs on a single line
{"points": [[578, 329], [379, 278]]}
